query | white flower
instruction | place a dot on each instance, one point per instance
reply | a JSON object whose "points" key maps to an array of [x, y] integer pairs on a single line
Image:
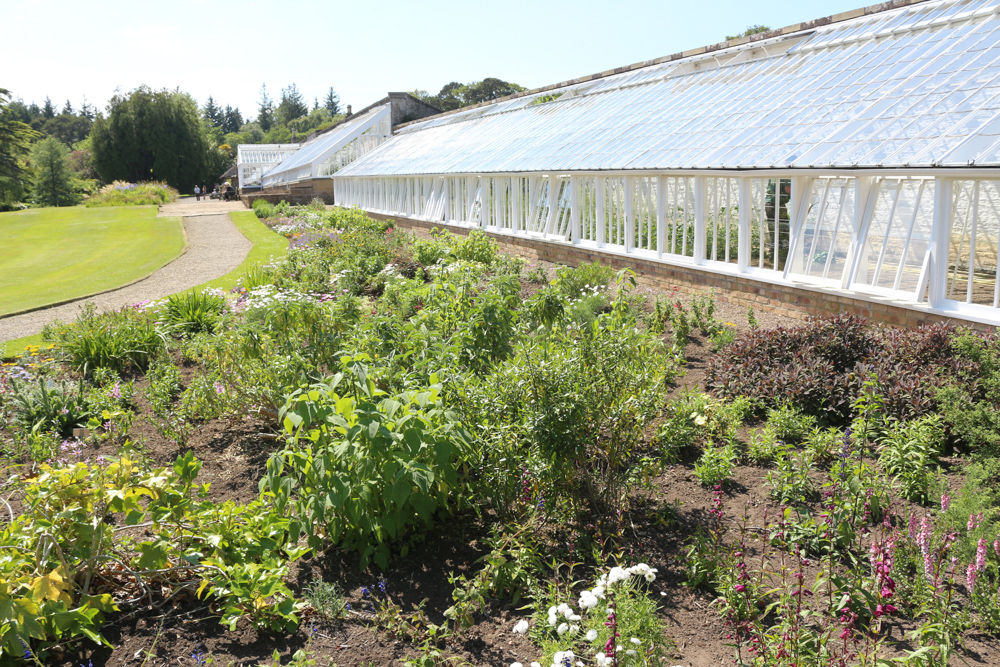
{"points": [[573, 629], [591, 635], [521, 627], [573, 617], [536, 664], [636, 641], [587, 600], [617, 574], [630, 652], [563, 627], [602, 660], [516, 664]]}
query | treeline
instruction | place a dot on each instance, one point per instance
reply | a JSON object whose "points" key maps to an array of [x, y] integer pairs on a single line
{"points": [[50, 157], [55, 157], [456, 95]]}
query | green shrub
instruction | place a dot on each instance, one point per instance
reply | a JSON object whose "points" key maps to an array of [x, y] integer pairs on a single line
{"points": [[476, 247], [120, 193], [363, 470], [47, 406], [789, 424], [263, 209], [125, 340], [909, 453], [715, 467], [583, 427], [763, 446], [164, 386], [824, 443], [586, 278], [790, 483], [194, 312]]}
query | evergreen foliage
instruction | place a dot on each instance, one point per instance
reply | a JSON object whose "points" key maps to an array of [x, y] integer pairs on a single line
{"points": [[265, 110], [291, 106], [154, 135], [332, 102], [53, 184], [15, 140]]}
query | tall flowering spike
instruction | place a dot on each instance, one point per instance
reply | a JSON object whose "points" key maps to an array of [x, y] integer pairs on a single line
{"points": [[913, 527], [945, 502], [981, 555], [970, 577]]}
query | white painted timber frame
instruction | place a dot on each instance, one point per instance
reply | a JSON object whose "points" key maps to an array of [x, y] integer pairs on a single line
{"points": [[920, 240]]}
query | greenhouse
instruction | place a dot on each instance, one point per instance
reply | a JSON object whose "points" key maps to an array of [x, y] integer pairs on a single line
{"points": [[331, 151], [254, 160], [855, 155]]}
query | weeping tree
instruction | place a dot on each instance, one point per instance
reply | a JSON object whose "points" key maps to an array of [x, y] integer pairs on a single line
{"points": [[155, 135]]}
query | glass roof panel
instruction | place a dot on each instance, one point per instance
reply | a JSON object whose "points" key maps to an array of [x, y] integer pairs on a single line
{"points": [[879, 90]]}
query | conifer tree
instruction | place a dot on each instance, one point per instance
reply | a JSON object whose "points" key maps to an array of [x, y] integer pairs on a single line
{"points": [[265, 110], [53, 184], [332, 102], [48, 111]]}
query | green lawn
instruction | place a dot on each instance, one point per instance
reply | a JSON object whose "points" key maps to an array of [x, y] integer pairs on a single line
{"points": [[266, 244], [51, 255]]}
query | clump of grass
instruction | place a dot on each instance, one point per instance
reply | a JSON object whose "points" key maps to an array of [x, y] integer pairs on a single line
{"points": [[121, 193]]}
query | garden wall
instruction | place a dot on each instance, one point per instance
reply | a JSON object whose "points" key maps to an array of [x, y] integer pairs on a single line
{"points": [[796, 303]]}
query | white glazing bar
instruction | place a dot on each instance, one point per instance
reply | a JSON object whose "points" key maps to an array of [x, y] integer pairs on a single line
{"points": [[574, 208], [661, 211], [807, 268], [673, 216], [629, 213], [940, 231], [553, 203], [599, 185], [728, 210], [743, 232], [974, 223], [831, 255], [761, 215], [699, 219], [798, 206], [715, 217], [909, 236]]}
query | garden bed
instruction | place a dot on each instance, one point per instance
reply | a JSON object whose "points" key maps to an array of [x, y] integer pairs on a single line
{"points": [[691, 485]]}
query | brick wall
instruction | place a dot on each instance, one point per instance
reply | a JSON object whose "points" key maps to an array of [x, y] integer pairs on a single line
{"points": [[792, 302]]}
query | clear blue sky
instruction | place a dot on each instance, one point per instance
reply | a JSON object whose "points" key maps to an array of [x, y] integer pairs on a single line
{"points": [[71, 49]]}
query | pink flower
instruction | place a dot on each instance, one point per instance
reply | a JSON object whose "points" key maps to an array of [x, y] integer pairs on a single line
{"points": [[945, 502], [974, 520], [740, 588], [981, 555], [970, 577]]}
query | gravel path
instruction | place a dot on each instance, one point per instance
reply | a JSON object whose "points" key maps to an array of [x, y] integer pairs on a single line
{"points": [[215, 247]]}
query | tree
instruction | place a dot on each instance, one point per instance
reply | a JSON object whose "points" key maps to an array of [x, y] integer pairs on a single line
{"points": [[67, 128], [291, 106], [53, 184], [154, 135], [15, 141], [68, 108], [489, 89], [265, 110], [232, 120], [751, 30], [332, 102], [212, 113], [48, 111], [87, 111]]}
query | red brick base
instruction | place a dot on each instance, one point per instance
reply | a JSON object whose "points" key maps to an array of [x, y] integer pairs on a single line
{"points": [[793, 302]]}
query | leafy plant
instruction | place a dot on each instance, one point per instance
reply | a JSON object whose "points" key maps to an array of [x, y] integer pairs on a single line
{"points": [[909, 453], [193, 312], [383, 466], [51, 406], [715, 467], [125, 340]]}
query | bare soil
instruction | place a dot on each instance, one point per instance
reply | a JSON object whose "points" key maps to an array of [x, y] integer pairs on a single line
{"points": [[234, 452]]}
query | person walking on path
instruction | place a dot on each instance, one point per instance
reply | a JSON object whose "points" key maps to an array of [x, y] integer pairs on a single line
{"points": [[197, 193]]}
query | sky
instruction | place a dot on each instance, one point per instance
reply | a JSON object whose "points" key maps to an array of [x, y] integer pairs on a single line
{"points": [[67, 49]]}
